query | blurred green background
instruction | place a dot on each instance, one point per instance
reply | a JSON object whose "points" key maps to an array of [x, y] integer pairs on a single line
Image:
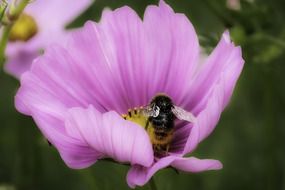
{"points": [[249, 139]]}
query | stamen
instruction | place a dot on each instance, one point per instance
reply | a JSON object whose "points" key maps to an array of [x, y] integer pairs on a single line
{"points": [[135, 115], [129, 112]]}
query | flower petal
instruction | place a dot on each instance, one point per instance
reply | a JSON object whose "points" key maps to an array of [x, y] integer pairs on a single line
{"points": [[111, 53], [51, 28], [63, 11], [129, 57], [20, 63], [55, 83], [207, 119], [227, 60], [20, 55], [112, 64], [48, 92], [193, 138], [46, 97], [223, 68], [181, 133], [76, 154], [195, 165], [171, 52], [111, 135], [139, 175]]}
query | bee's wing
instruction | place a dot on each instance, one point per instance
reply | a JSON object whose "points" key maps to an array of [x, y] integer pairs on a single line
{"points": [[182, 114], [149, 111]]}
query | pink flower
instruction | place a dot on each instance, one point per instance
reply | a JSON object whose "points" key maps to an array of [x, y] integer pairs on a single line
{"points": [[50, 18], [233, 4], [76, 92]]}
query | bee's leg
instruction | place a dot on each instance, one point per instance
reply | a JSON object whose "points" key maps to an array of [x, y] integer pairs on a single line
{"points": [[146, 125], [167, 149], [156, 148]]}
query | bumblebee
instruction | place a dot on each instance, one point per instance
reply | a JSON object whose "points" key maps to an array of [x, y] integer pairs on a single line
{"points": [[158, 120]]}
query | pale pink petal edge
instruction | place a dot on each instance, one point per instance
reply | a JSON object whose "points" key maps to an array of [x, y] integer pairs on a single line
{"points": [[110, 135], [138, 175]]}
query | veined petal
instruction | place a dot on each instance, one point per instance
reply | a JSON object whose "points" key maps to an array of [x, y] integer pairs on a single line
{"points": [[122, 58], [55, 83], [123, 30], [111, 135], [193, 138], [208, 118], [171, 53], [35, 98], [121, 63], [217, 79], [181, 134], [75, 153], [139, 175], [112, 51], [227, 60], [126, 54]]}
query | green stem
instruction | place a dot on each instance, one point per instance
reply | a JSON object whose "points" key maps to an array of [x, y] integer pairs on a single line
{"points": [[152, 184], [13, 14], [16, 11], [3, 43], [3, 7]]}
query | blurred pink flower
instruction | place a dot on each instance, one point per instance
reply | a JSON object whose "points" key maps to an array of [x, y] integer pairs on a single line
{"points": [[51, 17], [233, 4], [76, 92], [237, 4]]}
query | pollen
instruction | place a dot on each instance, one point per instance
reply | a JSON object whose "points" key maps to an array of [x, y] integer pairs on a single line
{"points": [[136, 115], [23, 29]]}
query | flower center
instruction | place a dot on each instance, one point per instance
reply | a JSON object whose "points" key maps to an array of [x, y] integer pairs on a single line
{"points": [[23, 29], [136, 115]]}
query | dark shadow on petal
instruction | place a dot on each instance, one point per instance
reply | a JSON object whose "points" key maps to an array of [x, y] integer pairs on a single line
{"points": [[180, 136]]}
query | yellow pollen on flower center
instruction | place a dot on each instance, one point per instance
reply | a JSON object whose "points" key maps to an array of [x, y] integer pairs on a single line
{"points": [[23, 29], [136, 115]]}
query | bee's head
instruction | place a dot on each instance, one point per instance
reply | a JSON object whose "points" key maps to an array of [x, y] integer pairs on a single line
{"points": [[163, 102]]}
